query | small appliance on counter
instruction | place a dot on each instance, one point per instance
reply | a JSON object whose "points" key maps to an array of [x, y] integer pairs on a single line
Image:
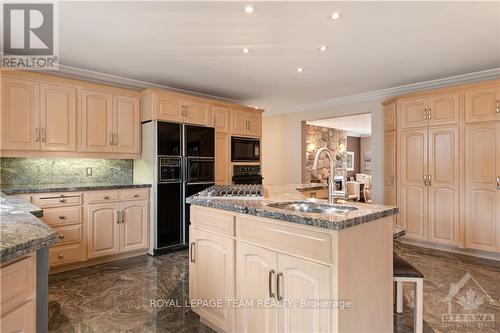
{"points": [[247, 174]]}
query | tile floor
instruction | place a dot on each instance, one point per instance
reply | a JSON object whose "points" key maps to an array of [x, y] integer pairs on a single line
{"points": [[116, 297]]}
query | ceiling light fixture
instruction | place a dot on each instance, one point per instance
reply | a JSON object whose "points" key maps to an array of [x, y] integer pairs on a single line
{"points": [[300, 69], [248, 9], [335, 15], [245, 50], [323, 48]]}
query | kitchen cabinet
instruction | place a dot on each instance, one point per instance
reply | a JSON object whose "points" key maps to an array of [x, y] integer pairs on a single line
{"points": [[212, 275], [221, 117], [169, 108], [97, 121], [390, 168], [197, 112], [20, 114], [126, 125], [482, 104], [246, 122], [58, 117], [222, 159], [134, 225], [429, 111], [482, 186], [103, 230], [390, 117]]}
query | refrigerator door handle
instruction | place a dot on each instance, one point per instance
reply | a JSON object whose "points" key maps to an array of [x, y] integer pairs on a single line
{"points": [[184, 169]]}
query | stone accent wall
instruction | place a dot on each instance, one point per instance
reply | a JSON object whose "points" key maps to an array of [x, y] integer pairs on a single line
{"points": [[317, 137], [41, 171]]}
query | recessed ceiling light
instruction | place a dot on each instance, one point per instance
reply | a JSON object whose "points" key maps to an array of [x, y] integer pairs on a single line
{"points": [[335, 15], [323, 48], [245, 50], [300, 69], [248, 9]]}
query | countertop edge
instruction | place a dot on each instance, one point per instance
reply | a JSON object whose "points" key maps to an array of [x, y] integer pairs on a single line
{"points": [[71, 188]]}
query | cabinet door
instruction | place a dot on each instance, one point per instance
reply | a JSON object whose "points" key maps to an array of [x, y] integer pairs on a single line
{"points": [[222, 159], [390, 167], [214, 276], [413, 194], [134, 225], [390, 117], [58, 117], [103, 230], [168, 108], [254, 123], [257, 269], [444, 185], [444, 110], [303, 280], [238, 122], [127, 125], [221, 118], [21, 319], [20, 114], [97, 121], [412, 112], [481, 104], [482, 213], [197, 112]]}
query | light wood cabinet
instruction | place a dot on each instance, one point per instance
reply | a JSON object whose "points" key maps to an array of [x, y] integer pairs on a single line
{"points": [[432, 111], [221, 117], [103, 230], [197, 112], [21, 319], [222, 159], [168, 108], [20, 114], [412, 112], [482, 190], [96, 121], [390, 117], [254, 123], [390, 175], [482, 104], [212, 275], [126, 125], [246, 122], [134, 225]]}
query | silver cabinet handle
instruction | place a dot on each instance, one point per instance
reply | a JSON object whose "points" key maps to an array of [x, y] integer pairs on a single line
{"points": [[122, 216], [111, 139], [498, 183], [118, 216], [61, 256], [271, 274], [191, 252], [430, 181], [37, 134], [44, 131], [425, 180], [278, 286], [429, 115], [498, 106], [425, 114], [115, 139]]}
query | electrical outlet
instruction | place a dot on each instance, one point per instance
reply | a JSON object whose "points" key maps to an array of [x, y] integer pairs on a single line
{"points": [[89, 171]]}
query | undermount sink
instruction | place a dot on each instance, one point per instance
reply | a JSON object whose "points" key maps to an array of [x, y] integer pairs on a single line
{"points": [[312, 207]]}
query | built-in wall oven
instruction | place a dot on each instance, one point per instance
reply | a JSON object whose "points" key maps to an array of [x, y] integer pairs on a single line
{"points": [[245, 149]]}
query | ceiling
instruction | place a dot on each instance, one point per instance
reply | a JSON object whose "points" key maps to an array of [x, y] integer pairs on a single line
{"points": [[356, 125], [196, 46]]}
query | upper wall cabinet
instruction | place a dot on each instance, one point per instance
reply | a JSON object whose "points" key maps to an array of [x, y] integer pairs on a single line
{"points": [[390, 117], [246, 122], [221, 118], [97, 121], [429, 111], [482, 104], [20, 115], [197, 112], [126, 125]]}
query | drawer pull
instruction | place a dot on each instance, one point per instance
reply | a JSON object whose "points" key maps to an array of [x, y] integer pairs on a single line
{"points": [[62, 200], [278, 286], [60, 256], [136, 195], [271, 274], [106, 197], [191, 252], [62, 217], [61, 236]]}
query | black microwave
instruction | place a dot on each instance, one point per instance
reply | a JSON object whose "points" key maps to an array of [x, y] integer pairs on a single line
{"points": [[245, 149]]}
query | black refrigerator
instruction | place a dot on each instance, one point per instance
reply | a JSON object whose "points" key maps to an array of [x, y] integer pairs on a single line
{"points": [[186, 166]]}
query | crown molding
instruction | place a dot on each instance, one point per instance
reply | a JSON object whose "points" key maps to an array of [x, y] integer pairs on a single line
{"points": [[390, 92], [124, 82]]}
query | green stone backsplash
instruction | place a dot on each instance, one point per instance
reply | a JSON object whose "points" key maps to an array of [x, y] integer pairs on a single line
{"points": [[36, 171]]}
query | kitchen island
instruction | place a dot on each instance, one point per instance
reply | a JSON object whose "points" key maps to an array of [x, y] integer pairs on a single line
{"points": [[263, 265]]}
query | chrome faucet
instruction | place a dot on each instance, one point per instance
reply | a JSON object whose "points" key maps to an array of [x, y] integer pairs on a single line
{"points": [[336, 184]]}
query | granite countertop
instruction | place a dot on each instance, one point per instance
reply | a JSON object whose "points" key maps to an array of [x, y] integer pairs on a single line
{"points": [[311, 186], [289, 193], [19, 189], [21, 232], [398, 231]]}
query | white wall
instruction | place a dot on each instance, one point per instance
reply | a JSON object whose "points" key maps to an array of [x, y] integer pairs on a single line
{"points": [[281, 143]]}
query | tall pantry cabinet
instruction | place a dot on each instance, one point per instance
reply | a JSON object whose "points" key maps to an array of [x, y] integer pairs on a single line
{"points": [[447, 165]]}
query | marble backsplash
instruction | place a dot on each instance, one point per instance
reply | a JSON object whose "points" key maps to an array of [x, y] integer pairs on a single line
{"points": [[37, 171]]}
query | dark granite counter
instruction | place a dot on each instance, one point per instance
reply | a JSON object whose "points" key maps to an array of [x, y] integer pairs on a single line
{"points": [[21, 232], [20, 189], [289, 193]]}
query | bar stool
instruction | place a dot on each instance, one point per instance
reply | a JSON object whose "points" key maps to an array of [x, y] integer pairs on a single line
{"points": [[406, 272]]}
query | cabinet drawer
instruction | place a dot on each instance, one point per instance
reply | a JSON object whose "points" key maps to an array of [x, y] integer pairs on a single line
{"points": [[292, 240], [65, 254], [18, 283], [101, 196], [213, 220], [138, 194], [68, 234], [62, 216], [20, 319], [58, 200]]}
